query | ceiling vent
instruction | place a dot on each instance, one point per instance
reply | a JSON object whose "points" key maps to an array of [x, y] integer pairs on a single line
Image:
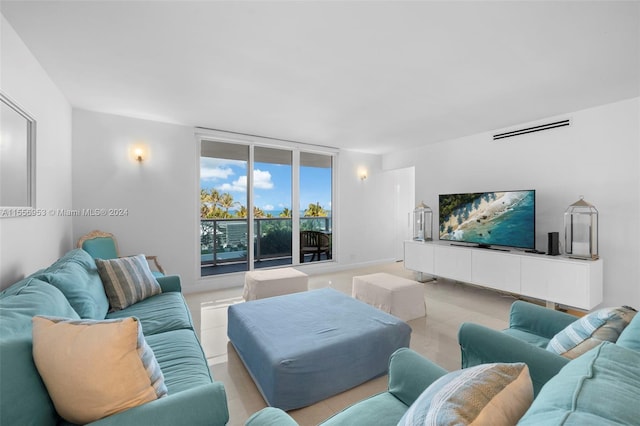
{"points": [[533, 129]]}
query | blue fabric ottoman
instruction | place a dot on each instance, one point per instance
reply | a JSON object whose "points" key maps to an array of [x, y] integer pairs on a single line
{"points": [[302, 348]]}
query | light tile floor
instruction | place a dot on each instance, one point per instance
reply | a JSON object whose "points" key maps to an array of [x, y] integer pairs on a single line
{"points": [[449, 304]]}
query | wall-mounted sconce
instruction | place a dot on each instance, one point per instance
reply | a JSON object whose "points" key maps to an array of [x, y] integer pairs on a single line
{"points": [[362, 174], [138, 152]]}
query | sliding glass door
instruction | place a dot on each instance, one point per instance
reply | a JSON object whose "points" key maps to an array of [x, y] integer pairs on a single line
{"points": [[224, 229], [263, 206], [316, 231], [272, 201]]}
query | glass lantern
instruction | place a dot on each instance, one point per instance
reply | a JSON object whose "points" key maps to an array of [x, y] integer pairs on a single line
{"points": [[581, 230], [422, 221]]}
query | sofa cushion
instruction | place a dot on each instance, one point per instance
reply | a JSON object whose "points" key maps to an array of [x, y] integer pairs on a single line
{"points": [[381, 409], [21, 387], [495, 394], [598, 388], [181, 359], [127, 280], [76, 275], [23, 396], [630, 336], [26, 298], [159, 313], [533, 339], [603, 325], [270, 416], [93, 369]]}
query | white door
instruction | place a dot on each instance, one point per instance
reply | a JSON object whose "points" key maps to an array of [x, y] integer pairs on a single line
{"points": [[404, 202]]}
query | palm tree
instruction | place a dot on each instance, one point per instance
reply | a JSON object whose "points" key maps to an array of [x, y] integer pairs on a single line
{"points": [[226, 202], [242, 212], [315, 210], [209, 201], [285, 213]]}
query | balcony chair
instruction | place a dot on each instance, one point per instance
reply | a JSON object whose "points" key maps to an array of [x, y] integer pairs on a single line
{"points": [[103, 245], [316, 243]]}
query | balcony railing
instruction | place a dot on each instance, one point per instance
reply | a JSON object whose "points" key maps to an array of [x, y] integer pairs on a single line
{"points": [[224, 241]]}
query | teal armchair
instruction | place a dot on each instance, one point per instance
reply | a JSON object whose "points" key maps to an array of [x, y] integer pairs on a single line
{"points": [[531, 327], [103, 245]]}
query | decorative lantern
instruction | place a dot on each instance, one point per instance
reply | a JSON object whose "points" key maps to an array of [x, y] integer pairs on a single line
{"points": [[581, 230], [422, 220]]}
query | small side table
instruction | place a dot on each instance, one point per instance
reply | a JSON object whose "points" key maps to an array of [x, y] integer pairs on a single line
{"points": [[398, 296], [274, 282]]}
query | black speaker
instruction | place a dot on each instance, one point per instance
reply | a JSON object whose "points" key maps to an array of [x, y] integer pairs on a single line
{"points": [[554, 245]]}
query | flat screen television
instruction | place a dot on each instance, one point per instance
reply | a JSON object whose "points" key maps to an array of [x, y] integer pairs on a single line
{"points": [[506, 218]]}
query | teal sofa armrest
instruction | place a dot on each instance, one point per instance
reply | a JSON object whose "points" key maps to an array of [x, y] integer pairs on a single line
{"points": [[481, 345], [538, 320], [169, 283], [270, 416], [201, 405], [410, 373]]}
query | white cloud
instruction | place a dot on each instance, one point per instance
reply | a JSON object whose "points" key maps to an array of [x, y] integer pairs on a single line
{"points": [[239, 185], [215, 174], [268, 208], [261, 180], [213, 169]]}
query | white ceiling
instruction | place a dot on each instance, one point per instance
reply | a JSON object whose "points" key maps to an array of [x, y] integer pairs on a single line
{"points": [[372, 76]]}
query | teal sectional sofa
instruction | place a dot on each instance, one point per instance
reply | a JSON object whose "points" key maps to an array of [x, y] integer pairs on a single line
{"points": [[600, 387], [71, 288], [531, 327]]}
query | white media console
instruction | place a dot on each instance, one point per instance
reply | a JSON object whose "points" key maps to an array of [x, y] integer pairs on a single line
{"points": [[555, 279]]}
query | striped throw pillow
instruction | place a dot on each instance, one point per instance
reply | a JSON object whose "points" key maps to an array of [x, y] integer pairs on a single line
{"points": [[487, 394], [127, 280], [603, 325], [93, 369]]}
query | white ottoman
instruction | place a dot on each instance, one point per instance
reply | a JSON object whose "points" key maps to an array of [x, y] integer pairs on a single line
{"points": [[395, 295], [273, 282]]}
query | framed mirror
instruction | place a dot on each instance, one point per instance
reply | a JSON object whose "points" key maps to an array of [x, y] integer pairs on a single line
{"points": [[17, 159]]}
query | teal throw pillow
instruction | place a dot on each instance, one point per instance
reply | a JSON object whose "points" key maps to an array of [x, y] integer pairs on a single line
{"points": [[76, 276], [127, 280], [491, 394], [603, 325], [25, 299]]}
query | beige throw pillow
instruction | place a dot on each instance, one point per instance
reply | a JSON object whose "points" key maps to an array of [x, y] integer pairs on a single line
{"points": [[487, 394], [93, 369]]}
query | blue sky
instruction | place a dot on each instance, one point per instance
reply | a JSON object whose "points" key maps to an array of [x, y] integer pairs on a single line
{"points": [[272, 183]]}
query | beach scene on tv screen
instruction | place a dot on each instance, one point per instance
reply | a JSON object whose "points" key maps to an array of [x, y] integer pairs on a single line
{"points": [[492, 218]]}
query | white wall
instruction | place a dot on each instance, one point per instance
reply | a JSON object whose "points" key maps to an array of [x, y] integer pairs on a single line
{"points": [[161, 197], [159, 194], [598, 156], [366, 211], [404, 188], [28, 244]]}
